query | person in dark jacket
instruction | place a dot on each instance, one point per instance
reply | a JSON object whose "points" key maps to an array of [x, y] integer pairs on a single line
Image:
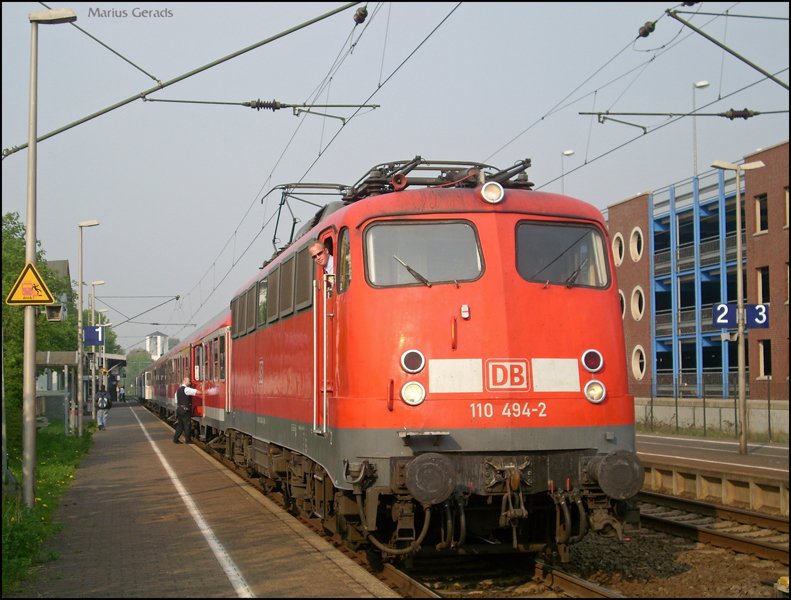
{"points": [[184, 411], [102, 407]]}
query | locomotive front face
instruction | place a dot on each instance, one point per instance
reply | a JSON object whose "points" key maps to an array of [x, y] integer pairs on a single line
{"points": [[494, 330]]}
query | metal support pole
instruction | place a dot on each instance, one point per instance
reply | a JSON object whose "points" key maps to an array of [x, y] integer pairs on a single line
{"points": [[740, 319], [79, 343], [29, 345]]}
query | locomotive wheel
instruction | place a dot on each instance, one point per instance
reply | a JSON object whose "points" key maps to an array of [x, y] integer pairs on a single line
{"points": [[374, 558]]}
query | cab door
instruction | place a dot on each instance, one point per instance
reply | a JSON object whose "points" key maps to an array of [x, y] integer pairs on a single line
{"points": [[324, 332]]}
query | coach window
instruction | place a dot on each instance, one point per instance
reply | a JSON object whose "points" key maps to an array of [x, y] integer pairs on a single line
{"points": [[303, 281], [271, 303], [198, 357], [222, 358], [421, 253], [261, 315], [215, 350], [343, 264], [561, 254], [234, 316], [287, 287], [251, 307], [206, 361]]}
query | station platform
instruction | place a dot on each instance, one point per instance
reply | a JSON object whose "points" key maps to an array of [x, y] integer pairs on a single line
{"points": [[146, 518], [714, 470]]}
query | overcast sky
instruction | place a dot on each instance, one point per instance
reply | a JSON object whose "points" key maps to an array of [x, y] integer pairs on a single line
{"points": [[177, 187]]}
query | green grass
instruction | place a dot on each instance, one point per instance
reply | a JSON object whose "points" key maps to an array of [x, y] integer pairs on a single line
{"points": [[25, 529]]}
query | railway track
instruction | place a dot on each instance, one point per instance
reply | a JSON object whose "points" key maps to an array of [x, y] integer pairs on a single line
{"points": [[748, 532], [499, 576], [761, 535]]}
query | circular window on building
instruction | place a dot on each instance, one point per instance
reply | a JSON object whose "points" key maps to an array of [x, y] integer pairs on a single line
{"points": [[638, 362], [623, 303], [638, 303], [636, 244], [618, 249]]}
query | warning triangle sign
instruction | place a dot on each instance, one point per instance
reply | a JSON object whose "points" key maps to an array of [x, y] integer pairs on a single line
{"points": [[29, 289]]}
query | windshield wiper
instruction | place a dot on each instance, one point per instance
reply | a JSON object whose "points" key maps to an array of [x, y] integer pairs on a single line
{"points": [[413, 273], [571, 279]]}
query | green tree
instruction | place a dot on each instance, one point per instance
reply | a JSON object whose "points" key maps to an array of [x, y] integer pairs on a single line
{"points": [[60, 335]]}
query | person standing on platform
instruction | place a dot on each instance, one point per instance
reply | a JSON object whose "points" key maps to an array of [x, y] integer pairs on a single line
{"points": [[122, 394], [102, 407], [184, 411]]}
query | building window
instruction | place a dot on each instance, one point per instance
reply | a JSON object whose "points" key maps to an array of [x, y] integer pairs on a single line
{"points": [[636, 244], [765, 359], [638, 362], [761, 214], [618, 249], [638, 303], [763, 285]]}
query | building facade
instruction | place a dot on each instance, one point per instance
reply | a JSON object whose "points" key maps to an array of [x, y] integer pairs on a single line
{"points": [[676, 262]]}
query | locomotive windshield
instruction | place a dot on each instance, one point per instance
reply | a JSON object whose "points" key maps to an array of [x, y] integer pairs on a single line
{"points": [[562, 254], [421, 253]]}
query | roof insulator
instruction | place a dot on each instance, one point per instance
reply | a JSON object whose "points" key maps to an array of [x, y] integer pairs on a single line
{"points": [[360, 15]]}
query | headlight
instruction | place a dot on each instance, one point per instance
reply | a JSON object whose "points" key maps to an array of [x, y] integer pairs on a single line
{"points": [[492, 192], [413, 393], [595, 391]]}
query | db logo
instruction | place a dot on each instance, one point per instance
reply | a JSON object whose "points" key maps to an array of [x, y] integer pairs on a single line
{"points": [[506, 375]]}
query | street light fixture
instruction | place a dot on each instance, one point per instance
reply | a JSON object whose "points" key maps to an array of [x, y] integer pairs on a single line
{"points": [[740, 317], [51, 17], [80, 225], [698, 85], [93, 348], [563, 155]]}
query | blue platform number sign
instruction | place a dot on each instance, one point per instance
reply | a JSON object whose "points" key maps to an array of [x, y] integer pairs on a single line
{"points": [[93, 336], [724, 316], [758, 316]]}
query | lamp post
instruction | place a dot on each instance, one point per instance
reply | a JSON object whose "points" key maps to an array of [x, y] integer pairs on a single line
{"points": [[563, 155], [740, 316], [52, 17], [698, 85], [80, 225], [93, 348]]}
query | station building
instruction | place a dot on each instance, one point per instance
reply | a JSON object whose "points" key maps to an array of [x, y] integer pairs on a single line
{"points": [[676, 260]]}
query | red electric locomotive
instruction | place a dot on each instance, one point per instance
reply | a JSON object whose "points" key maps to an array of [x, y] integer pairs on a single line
{"points": [[457, 383]]}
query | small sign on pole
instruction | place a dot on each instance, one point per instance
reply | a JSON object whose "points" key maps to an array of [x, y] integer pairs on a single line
{"points": [[724, 315], [757, 316], [29, 289]]}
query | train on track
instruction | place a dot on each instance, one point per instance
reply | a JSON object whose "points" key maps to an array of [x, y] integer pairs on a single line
{"points": [[457, 384]]}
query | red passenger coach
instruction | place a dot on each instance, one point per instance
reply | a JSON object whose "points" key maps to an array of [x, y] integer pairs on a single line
{"points": [[458, 383], [203, 358]]}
